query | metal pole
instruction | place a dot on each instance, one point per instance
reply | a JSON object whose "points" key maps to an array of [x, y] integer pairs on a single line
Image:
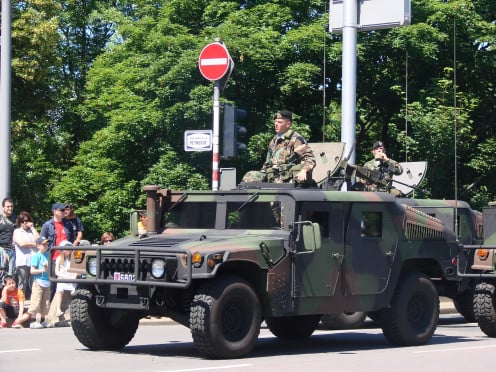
{"points": [[215, 139], [349, 71], [5, 99]]}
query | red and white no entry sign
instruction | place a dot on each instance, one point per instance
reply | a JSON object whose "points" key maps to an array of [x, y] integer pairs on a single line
{"points": [[214, 61]]}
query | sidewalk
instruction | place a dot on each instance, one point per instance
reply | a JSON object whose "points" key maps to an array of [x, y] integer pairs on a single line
{"points": [[445, 306]]}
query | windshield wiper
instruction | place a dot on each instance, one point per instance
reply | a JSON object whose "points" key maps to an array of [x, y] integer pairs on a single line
{"points": [[252, 198]]}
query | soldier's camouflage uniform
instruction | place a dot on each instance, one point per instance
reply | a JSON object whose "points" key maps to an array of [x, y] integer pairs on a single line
{"points": [[389, 167], [286, 156]]}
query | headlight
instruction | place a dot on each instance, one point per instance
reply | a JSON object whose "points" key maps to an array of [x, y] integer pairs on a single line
{"points": [[158, 268], [92, 266]]}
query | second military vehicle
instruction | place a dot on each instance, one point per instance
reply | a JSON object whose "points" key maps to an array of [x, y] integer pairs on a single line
{"points": [[478, 262]]}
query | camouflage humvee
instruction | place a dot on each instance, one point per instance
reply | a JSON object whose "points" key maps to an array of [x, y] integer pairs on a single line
{"points": [[221, 262], [456, 216], [478, 262], [468, 224]]}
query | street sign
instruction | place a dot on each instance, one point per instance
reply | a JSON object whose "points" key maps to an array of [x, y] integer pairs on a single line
{"points": [[214, 61], [372, 14], [198, 140]]}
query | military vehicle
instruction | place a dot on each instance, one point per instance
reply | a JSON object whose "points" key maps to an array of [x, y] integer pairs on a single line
{"points": [[468, 224], [221, 262], [457, 216], [478, 262]]}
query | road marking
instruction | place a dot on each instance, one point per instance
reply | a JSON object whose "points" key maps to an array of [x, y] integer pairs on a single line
{"points": [[455, 349], [18, 350], [210, 368]]}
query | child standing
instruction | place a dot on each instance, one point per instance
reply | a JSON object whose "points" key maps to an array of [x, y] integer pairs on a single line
{"points": [[143, 218], [11, 303], [62, 264], [40, 295]]}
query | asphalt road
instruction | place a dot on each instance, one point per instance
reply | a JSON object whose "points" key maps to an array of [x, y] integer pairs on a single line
{"points": [[168, 347]]}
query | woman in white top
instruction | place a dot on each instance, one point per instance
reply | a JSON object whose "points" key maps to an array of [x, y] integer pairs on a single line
{"points": [[24, 237]]}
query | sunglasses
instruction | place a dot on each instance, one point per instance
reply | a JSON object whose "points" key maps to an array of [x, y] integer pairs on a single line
{"points": [[108, 241], [26, 221]]}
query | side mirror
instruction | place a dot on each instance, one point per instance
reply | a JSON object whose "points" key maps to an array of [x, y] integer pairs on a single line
{"points": [[312, 238]]}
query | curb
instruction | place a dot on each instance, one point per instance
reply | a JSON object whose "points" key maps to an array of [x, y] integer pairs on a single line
{"points": [[154, 321], [445, 307]]}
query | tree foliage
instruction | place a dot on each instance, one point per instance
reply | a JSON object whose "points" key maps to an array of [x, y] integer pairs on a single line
{"points": [[113, 85]]}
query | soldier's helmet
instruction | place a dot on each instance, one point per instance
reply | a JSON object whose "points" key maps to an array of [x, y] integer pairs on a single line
{"points": [[254, 176]]}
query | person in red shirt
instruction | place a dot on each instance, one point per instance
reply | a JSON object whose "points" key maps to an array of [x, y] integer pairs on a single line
{"points": [[11, 303], [58, 229]]}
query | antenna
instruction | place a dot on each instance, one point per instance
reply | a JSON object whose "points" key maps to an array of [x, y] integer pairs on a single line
{"points": [[406, 105], [455, 116], [324, 79]]}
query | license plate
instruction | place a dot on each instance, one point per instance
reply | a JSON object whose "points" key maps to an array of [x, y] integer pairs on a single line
{"points": [[123, 276]]}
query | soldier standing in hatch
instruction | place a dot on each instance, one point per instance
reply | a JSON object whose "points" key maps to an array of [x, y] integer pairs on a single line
{"points": [[289, 158], [382, 163]]}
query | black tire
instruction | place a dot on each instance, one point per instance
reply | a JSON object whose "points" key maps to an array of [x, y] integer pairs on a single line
{"points": [[225, 318], [293, 327], [98, 328], [414, 312], [484, 308], [464, 304], [376, 315], [344, 320]]}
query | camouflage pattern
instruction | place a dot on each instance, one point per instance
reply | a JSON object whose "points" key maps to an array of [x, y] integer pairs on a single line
{"points": [[286, 156], [483, 259], [469, 221], [478, 262], [388, 168], [366, 242], [254, 176]]}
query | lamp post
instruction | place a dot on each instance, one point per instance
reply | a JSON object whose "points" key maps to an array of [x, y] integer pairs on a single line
{"points": [[5, 98]]}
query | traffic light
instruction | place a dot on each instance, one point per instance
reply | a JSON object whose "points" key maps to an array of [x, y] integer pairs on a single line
{"points": [[232, 130]]}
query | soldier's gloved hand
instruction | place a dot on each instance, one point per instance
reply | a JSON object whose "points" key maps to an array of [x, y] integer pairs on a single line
{"points": [[302, 175]]}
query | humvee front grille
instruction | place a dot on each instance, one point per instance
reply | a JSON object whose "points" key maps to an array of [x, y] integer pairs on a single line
{"points": [[125, 265], [131, 265]]}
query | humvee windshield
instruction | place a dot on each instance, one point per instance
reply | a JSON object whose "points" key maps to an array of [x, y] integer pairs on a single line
{"points": [[230, 215], [195, 215]]}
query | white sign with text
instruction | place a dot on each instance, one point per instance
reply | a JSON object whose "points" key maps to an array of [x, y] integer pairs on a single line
{"points": [[198, 140]]}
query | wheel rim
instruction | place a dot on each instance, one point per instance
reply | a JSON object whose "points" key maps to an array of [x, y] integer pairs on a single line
{"points": [[418, 314], [235, 320]]}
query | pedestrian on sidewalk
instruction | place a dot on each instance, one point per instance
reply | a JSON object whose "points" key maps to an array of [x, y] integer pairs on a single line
{"points": [[11, 303], [25, 236], [7, 227], [62, 264], [41, 285]]}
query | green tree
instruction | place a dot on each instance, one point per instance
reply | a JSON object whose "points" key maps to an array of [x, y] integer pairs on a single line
{"points": [[36, 141], [115, 84], [146, 89]]}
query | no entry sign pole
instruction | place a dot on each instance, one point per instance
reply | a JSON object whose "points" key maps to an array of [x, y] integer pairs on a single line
{"points": [[214, 62], [215, 139]]}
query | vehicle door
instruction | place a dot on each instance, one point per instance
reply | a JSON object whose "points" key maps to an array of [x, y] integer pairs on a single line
{"points": [[370, 248], [318, 273]]}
